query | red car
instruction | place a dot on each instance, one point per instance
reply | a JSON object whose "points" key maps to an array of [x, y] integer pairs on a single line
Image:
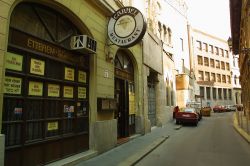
{"points": [[187, 115], [219, 108]]}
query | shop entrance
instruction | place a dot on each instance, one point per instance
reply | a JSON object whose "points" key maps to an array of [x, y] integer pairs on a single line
{"points": [[124, 95], [45, 105]]}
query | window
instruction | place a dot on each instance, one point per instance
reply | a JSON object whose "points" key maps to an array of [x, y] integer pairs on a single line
{"points": [[211, 49], [217, 64], [207, 77], [211, 62], [220, 93], [224, 79], [221, 52], [182, 46], [218, 78], [169, 36], [230, 94], [216, 50], [213, 77], [159, 30], [226, 53], [200, 61], [205, 48], [201, 76], [206, 61], [198, 45], [201, 91], [228, 79], [225, 93], [223, 65], [227, 66], [235, 80], [208, 92], [214, 93]]}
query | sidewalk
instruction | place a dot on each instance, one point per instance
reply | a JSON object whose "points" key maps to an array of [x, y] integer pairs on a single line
{"points": [[128, 153], [241, 125]]}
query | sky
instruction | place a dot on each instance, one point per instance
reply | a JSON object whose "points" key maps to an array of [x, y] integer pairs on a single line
{"points": [[210, 16]]}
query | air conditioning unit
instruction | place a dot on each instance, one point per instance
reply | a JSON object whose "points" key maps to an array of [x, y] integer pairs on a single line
{"points": [[83, 43]]}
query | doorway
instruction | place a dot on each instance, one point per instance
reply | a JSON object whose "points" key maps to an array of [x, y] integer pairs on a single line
{"points": [[124, 95]]}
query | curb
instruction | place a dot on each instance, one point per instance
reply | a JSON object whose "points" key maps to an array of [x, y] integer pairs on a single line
{"points": [[132, 160], [240, 130]]}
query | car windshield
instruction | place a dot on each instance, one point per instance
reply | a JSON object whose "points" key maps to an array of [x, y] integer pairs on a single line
{"points": [[187, 110]]}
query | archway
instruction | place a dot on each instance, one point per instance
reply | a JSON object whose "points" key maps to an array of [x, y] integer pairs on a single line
{"points": [[124, 94]]}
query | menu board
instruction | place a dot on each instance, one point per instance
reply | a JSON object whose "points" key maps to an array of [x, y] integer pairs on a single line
{"points": [[68, 91], [69, 74], [35, 88], [53, 90], [82, 76], [37, 66], [81, 92], [14, 61], [12, 85], [52, 126]]}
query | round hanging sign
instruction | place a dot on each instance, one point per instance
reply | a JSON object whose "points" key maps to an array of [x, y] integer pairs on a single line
{"points": [[126, 27]]}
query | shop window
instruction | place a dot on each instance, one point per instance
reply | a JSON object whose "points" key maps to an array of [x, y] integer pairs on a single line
{"points": [[220, 93], [225, 93], [208, 92], [214, 93]]}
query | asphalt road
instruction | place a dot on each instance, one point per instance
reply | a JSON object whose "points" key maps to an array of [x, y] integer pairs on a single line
{"points": [[214, 142]]}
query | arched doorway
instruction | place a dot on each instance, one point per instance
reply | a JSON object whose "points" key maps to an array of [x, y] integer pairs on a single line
{"points": [[124, 94], [45, 106]]}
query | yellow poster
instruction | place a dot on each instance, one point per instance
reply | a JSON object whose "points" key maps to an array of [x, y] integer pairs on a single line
{"points": [[82, 76], [68, 91], [12, 85], [69, 74], [37, 66], [53, 90], [35, 88], [131, 103], [81, 92], [52, 126], [14, 61]]}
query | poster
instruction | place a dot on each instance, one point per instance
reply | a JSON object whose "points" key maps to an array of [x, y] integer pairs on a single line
{"points": [[35, 88], [37, 66], [14, 61], [52, 126], [81, 92], [68, 91], [69, 74], [82, 76], [12, 85], [53, 90]]}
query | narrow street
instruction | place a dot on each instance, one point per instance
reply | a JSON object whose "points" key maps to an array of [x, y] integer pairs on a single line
{"points": [[213, 143]]}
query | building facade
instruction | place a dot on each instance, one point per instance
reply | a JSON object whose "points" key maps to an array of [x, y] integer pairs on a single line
{"points": [[240, 27], [56, 97], [212, 69]]}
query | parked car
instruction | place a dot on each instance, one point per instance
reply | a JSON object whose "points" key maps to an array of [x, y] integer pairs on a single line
{"points": [[219, 108], [187, 115], [229, 108]]}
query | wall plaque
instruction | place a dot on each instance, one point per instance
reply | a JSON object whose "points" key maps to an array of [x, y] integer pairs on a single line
{"points": [[35, 88], [14, 61], [12, 85], [68, 91], [37, 66], [53, 90], [69, 74]]}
